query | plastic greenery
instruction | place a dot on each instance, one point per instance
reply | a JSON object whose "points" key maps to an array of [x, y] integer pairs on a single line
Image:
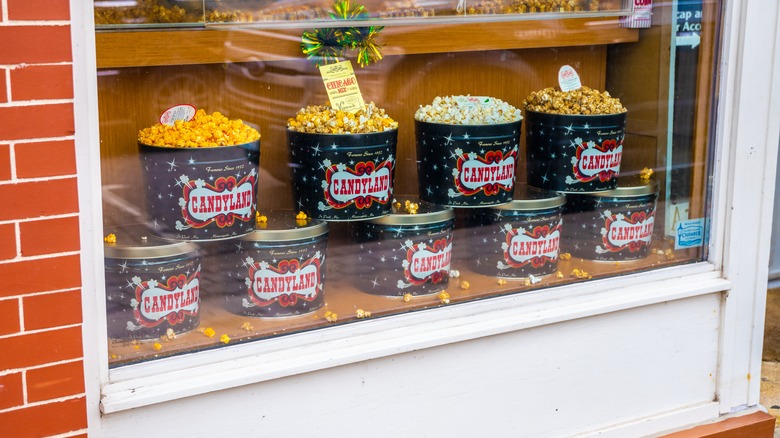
{"points": [[326, 46]]}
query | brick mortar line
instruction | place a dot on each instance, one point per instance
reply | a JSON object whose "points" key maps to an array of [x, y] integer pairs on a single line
{"points": [[24, 388], [17, 239], [39, 257], [37, 294], [38, 179], [8, 84], [12, 157], [41, 102], [33, 23], [45, 402], [42, 218], [70, 434], [34, 64], [38, 139], [21, 314], [5, 10], [37, 367], [35, 332]]}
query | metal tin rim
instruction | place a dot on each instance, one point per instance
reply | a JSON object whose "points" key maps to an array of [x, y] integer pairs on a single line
{"points": [[314, 230], [533, 204], [361, 134], [149, 252], [630, 191], [416, 219], [527, 111], [202, 149], [471, 126]]}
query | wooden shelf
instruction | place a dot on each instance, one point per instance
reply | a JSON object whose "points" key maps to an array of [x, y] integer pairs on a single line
{"points": [[230, 44]]}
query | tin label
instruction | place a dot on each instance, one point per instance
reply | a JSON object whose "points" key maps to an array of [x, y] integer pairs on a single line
{"points": [[286, 283], [535, 247], [222, 202], [361, 185], [172, 301], [621, 232], [342, 86], [593, 160], [689, 234], [490, 173], [427, 262]]}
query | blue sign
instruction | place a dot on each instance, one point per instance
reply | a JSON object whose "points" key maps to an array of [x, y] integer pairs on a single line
{"points": [[689, 234]]}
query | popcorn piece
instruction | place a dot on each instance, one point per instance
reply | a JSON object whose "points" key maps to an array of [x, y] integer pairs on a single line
{"points": [[247, 326], [169, 334], [464, 284], [669, 254], [111, 238], [407, 297], [322, 119], [202, 131], [444, 298], [225, 339], [208, 331], [564, 256], [260, 219], [136, 347], [467, 110], [113, 356], [501, 282], [559, 274], [360, 313], [579, 273], [331, 316], [157, 346], [584, 100], [645, 174], [411, 207], [454, 273], [526, 282]]}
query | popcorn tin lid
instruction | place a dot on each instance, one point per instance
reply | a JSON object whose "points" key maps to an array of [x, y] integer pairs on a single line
{"points": [[283, 226], [406, 214], [136, 243], [630, 186], [532, 198]]}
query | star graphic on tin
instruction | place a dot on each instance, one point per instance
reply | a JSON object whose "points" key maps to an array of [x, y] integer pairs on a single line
{"points": [[449, 139], [466, 136], [569, 128], [172, 164]]}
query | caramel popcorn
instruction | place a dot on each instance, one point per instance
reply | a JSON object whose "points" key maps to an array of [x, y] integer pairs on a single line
{"points": [[301, 216], [564, 256], [202, 131], [111, 238], [247, 326], [260, 219], [464, 284], [411, 207], [224, 339], [444, 298], [208, 331], [322, 119], [645, 174], [468, 110], [501, 282], [559, 274], [360, 313], [331, 316], [579, 273], [407, 297], [581, 101]]}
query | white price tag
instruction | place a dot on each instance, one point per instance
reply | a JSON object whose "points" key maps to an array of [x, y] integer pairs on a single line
{"points": [[568, 79], [177, 112]]}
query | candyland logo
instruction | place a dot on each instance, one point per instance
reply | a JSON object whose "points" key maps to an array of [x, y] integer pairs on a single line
{"points": [[535, 247], [621, 232], [596, 161], [172, 301], [362, 185], [286, 283], [426, 262], [222, 202], [491, 173]]}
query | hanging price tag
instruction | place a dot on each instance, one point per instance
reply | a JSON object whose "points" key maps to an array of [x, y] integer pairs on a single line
{"points": [[568, 79], [177, 112], [342, 86]]}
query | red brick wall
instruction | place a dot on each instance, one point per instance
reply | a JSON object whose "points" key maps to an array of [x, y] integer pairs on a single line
{"points": [[41, 357]]}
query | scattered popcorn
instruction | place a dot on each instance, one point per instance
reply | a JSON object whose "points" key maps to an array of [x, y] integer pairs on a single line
{"points": [[411, 207], [407, 297], [559, 274], [645, 174], [501, 282], [444, 298], [111, 238], [579, 273], [533, 279], [202, 131], [247, 326], [617, 263], [564, 256], [526, 282], [468, 110], [322, 119], [331, 316], [225, 339], [208, 331], [464, 284], [301, 216], [659, 252], [584, 100], [157, 346], [136, 347], [669, 254], [454, 273], [260, 219], [360, 313], [113, 356], [170, 334]]}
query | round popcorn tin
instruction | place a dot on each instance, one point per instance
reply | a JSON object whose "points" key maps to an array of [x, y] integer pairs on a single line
{"points": [[408, 251], [574, 153], [206, 193], [467, 165], [615, 225], [277, 270], [520, 238], [152, 285], [343, 177]]}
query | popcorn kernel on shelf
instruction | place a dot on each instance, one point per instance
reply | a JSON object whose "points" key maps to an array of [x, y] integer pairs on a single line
{"points": [[203, 130]]}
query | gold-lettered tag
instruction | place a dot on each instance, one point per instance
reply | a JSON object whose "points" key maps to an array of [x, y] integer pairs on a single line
{"points": [[342, 86]]}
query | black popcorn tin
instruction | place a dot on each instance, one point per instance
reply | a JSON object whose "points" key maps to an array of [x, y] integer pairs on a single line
{"points": [[277, 270], [343, 177], [574, 153], [152, 285], [207, 193], [404, 253], [615, 225], [467, 165], [520, 238]]}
